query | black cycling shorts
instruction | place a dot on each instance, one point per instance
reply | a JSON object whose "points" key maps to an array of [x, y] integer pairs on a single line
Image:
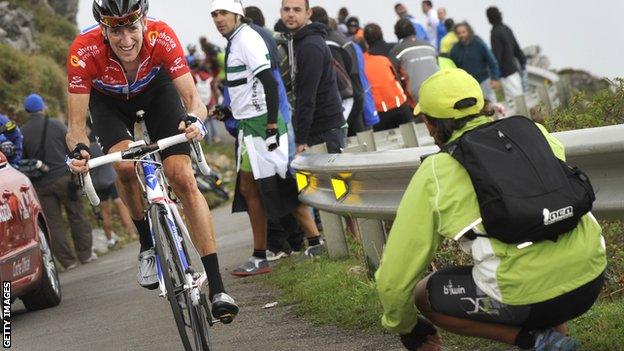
{"points": [[110, 192], [113, 118], [453, 292]]}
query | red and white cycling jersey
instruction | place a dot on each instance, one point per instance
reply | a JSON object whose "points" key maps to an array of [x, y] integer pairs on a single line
{"points": [[92, 63]]}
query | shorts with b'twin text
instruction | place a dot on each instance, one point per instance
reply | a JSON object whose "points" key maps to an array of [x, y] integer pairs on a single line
{"points": [[453, 292], [113, 118]]}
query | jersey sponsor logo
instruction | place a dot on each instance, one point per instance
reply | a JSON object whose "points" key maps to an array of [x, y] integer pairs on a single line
{"points": [[178, 64], [453, 290], [166, 41], [87, 51], [557, 215], [111, 68], [76, 82], [77, 62], [152, 36]]}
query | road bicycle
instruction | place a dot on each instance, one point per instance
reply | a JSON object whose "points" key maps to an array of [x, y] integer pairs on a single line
{"points": [[179, 283]]}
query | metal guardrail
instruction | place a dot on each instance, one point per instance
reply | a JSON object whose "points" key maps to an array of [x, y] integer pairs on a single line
{"points": [[544, 89], [374, 182]]}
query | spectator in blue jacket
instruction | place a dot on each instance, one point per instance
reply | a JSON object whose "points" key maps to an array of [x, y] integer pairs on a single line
{"points": [[11, 140], [473, 56], [419, 28]]}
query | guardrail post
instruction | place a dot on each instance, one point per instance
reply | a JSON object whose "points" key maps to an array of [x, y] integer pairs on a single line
{"points": [[408, 132], [542, 91], [367, 137], [521, 106], [373, 240], [333, 230]]}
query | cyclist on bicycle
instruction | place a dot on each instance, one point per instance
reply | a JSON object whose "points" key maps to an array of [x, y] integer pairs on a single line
{"points": [[522, 296], [267, 189], [126, 63]]}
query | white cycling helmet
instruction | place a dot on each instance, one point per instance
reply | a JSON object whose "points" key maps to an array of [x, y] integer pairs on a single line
{"points": [[234, 6]]}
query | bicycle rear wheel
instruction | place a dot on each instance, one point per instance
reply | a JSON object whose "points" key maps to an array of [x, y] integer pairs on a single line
{"points": [[190, 320]]}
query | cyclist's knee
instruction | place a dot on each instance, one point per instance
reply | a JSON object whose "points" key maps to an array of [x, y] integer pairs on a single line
{"points": [[182, 180], [125, 172]]}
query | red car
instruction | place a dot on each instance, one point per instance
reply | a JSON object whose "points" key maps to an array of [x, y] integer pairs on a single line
{"points": [[26, 259]]}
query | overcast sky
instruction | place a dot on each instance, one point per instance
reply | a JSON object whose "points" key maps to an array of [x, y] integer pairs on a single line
{"points": [[573, 33]]}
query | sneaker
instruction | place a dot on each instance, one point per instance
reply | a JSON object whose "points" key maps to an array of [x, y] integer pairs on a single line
{"points": [[551, 340], [315, 251], [91, 258], [148, 276], [253, 266], [224, 308], [272, 256], [111, 243]]}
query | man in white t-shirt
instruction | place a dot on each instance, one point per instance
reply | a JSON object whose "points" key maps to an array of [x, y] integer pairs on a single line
{"points": [[265, 188], [432, 22]]}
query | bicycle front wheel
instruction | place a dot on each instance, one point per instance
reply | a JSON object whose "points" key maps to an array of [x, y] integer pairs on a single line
{"points": [[188, 318]]}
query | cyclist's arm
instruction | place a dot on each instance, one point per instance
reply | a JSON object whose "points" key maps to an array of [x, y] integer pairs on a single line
{"points": [[190, 97], [77, 105]]}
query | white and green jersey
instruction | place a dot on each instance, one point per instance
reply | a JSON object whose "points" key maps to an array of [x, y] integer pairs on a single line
{"points": [[247, 55], [440, 202]]}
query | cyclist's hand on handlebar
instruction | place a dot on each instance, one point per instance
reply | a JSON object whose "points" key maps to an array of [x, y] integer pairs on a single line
{"points": [[193, 127], [77, 159]]}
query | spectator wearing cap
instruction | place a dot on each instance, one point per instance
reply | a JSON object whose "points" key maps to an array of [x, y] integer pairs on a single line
{"points": [[44, 139], [11, 140]]}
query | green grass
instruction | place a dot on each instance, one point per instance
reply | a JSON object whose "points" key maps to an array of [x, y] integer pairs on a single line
{"points": [[42, 71], [340, 293]]}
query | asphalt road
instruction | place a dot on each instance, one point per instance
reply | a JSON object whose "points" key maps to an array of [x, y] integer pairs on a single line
{"points": [[103, 308]]}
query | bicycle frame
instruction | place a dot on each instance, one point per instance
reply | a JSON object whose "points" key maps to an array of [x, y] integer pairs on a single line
{"points": [[156, 194]]}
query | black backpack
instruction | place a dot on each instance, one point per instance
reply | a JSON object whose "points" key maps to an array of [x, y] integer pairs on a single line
{"points": [[525, 193]]}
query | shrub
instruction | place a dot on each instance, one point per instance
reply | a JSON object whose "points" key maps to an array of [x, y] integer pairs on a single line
{"points": [[605, 107]]}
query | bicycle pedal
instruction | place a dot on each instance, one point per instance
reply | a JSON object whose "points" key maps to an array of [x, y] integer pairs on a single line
{"points": [[226, 319]]}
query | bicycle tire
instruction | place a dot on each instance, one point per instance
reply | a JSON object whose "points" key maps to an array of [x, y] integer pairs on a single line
{"points": [[190, 316], [199, 314], [164, 259]]}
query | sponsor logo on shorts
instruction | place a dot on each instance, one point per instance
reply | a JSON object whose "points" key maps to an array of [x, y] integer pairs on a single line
{"points": [[453, 290]]}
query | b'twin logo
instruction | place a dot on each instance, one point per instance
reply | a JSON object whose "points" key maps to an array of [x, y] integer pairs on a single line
{"points": [[558, 215]]}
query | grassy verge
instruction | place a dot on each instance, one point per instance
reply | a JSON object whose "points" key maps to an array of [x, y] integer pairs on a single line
{"points": [[339, 293]]}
